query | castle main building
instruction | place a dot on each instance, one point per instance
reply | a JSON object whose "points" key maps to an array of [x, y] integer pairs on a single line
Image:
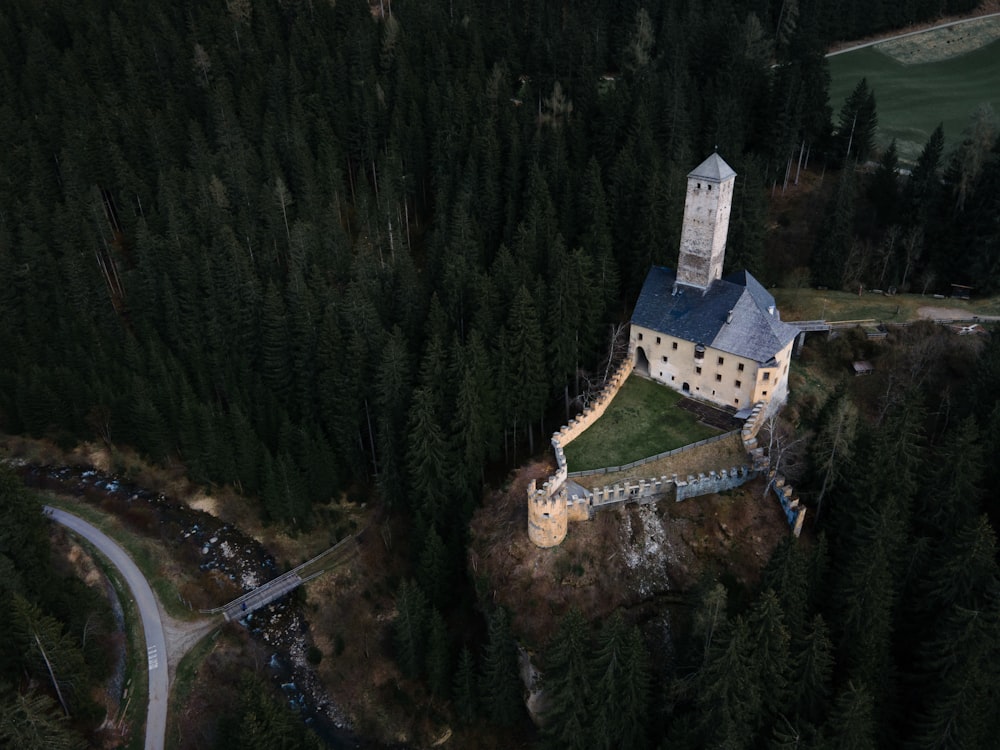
{"points": [[718, 339]]}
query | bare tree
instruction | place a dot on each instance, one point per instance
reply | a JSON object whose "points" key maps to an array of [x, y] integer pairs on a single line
{"points": [[785, 449], [833, 444]]}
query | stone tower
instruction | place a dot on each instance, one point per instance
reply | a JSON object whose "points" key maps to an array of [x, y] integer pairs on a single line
{"points": [[706, 222]]}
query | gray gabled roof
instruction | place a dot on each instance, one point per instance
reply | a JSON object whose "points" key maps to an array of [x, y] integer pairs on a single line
{"points": [[713, 168], [756, 331]]}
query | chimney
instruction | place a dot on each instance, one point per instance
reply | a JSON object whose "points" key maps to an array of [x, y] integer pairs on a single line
{"points": [[729, 317]]}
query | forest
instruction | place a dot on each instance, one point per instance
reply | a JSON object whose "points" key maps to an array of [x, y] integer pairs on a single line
{"points": [[310, 248]]}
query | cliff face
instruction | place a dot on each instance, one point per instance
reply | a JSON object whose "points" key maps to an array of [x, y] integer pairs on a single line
{"points": [[626, 556]]}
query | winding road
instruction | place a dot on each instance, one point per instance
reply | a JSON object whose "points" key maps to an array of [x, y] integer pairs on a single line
{"points": [[156, 642]]}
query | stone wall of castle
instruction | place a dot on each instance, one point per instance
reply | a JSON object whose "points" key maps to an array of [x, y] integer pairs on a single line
{"points": [[551, 507]]}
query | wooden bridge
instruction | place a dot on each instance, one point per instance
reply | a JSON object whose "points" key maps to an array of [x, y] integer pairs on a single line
{"points": [[276, 588]]}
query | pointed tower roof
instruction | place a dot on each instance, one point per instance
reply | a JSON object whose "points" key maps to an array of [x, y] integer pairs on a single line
{"points": [[713, 168]]}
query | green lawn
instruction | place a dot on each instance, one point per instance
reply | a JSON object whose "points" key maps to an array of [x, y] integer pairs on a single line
{"points": [[912, 99], [642, 421]]}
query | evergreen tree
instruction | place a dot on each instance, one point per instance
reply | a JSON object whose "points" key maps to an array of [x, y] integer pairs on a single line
{"points": [[500, 683], [464, 688], [858, 123], [410, 628], [620, 668], [728, 691], [568, 687], [438, 670], [812, 671], [833, 243], [851, 725]]}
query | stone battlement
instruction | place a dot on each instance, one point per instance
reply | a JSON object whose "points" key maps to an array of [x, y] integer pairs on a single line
{"points": [[551, 507]]}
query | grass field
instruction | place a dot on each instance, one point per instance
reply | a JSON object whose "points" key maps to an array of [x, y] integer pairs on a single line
{"points": [[642, 421], [814, 304], [913, 98]]}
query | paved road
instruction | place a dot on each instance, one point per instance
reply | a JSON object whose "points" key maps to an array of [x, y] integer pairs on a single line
{"points": [[156, 642], [910, 33]]}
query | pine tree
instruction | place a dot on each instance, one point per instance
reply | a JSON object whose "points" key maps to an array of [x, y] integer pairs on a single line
{"points": [[858, 124], [812, 671], [770, 647], [851, 725], [500, 683], [833, 243], [620, 669], [410, 628], [33, 721], [464, 688], [434, 572], [522, 373], [567, 682], [438, 669], [728, 691]]}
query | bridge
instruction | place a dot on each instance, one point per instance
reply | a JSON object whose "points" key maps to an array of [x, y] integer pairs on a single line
{"points": [[277, 587]]}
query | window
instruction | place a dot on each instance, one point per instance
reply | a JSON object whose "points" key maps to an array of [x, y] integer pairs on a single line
{"points": [[699, 186], [640, 337], [673, 345], [767, 375], [763, 393], [657, 339], [664, 357], [739, 383], [709, 187], [718, 378], [737, 401], [740, 367], [722, 360], [698, 370]]}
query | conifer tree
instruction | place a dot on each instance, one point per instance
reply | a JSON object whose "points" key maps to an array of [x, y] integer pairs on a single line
{"points": [[410, 628], [851, 725], [464, 688], [620, 678], [438, 669], [812, 671], [500, 683], [567, 683]]}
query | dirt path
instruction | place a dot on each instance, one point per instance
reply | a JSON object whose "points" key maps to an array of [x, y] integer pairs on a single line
{"points": [[951, 313], [986, 10], [183, 635]]}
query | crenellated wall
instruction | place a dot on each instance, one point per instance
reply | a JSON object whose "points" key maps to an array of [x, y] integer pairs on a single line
{"points": [[551, 507], [795, 513]]}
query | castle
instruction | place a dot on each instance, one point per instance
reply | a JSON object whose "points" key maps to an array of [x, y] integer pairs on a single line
{"points": [[718, 339], [721, 340]]}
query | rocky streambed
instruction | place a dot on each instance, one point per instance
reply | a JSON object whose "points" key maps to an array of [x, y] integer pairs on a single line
{"points": [[230, 562]]}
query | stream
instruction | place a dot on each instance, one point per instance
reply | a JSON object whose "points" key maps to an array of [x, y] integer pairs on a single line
{"points": [[220, 550]]}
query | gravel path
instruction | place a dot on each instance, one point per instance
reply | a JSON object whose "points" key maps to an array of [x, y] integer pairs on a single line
{"points": [[880, 40]]}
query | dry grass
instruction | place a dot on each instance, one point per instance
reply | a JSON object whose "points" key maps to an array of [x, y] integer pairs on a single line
{"points": [[720, 455]]}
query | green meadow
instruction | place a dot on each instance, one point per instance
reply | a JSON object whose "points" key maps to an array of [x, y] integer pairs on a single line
{"points": [[913, 98]]}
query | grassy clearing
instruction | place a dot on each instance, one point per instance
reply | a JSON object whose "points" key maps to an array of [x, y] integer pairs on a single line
{"points": [[643, 420], [913, 98], [149, 556], [814, 304]]}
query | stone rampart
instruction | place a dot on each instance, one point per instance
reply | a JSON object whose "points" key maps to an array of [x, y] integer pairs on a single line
{"points": [[549, 508], [795, 513], [713, 482]]}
